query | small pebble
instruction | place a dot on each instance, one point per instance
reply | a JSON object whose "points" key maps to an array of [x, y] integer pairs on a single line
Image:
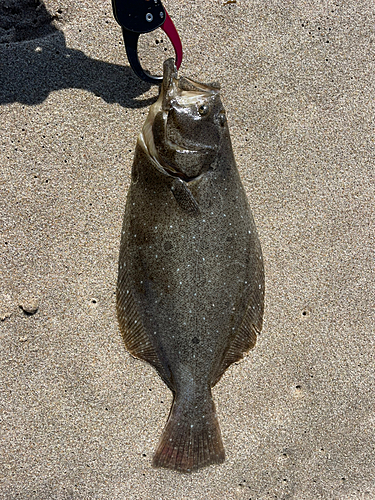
{"points": [[30, 306], [4, 316], [23, 339]]}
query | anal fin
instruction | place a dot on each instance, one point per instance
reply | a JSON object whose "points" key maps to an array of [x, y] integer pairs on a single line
{"points": [[137, 340]]}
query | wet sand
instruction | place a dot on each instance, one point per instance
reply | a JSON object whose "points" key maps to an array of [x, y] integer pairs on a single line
{"points": [[80, 418]]}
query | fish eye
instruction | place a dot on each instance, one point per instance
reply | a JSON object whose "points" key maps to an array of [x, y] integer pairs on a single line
{"points": [[203, 109], [222, 118]]}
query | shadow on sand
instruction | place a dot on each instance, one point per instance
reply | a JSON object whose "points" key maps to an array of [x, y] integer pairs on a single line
{"points": [[34, 61]]}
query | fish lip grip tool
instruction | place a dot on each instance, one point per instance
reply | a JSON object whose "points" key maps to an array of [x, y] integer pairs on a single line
{"points": [[137, 17]]}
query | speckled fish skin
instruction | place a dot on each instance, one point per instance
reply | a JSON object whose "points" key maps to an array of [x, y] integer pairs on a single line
{"points": [[190, 289]]}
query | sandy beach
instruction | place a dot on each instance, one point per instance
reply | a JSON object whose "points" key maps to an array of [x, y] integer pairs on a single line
{"points": [[79, 417]]}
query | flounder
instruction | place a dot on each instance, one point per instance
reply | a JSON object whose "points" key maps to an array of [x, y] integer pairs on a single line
{"points": [[190, 291]]}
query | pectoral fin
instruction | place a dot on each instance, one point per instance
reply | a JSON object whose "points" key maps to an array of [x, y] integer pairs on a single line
{"points": [[183, 196]]}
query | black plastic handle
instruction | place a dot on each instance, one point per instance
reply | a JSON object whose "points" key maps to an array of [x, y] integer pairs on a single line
{"points": [[131, 42], [139, 16], [143, 16]]}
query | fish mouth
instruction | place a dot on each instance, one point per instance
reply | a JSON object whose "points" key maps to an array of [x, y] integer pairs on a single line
{"points": [[179, 92]]}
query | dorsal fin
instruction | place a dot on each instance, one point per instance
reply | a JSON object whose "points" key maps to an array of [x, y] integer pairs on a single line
{"points": [[246, 336]]}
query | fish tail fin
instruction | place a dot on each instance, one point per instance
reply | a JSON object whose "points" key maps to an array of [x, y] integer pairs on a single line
{"points": [[191, 438]]}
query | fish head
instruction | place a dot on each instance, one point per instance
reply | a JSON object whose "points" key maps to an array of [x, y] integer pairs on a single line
{"points": [[185, 126]]}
